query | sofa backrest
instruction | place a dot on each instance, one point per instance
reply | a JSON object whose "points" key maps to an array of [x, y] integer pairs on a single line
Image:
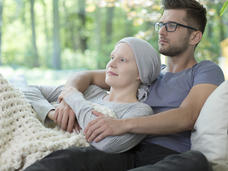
{"points": [[211, 129]]}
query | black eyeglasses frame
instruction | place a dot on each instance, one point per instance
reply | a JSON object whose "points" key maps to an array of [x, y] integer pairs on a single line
{"points": [[159, 25]]}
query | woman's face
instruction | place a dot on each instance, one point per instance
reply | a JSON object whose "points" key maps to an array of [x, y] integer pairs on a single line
{"points": [[122, 69]]}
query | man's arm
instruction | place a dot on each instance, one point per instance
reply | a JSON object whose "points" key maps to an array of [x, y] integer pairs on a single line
{"points": [[175, 120], [82, 80], [168, 122]]}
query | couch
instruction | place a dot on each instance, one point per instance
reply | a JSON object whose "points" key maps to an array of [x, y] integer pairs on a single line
{"points": [[210, 134]]}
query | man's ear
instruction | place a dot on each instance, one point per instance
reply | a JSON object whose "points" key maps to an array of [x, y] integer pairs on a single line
{"points": [[195, 37]]}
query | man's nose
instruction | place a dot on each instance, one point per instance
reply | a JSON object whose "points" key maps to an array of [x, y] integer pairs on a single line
{"points": [[162, 30]]}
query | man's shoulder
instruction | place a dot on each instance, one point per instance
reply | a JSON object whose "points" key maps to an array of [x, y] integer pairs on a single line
{"points": [[208, 72], [206, 64]]}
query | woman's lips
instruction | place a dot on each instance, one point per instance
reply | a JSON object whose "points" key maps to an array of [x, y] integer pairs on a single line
{"points": [[112, 73]]}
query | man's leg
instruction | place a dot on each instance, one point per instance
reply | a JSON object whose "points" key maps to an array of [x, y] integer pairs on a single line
{"points": [[148, 153], [83, 159], [189, 161]]}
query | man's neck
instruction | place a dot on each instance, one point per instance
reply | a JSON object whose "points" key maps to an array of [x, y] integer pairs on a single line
{"points": [[181, 62]]}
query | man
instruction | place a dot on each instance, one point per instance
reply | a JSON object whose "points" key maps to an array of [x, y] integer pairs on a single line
{"points": [[176, 97]]}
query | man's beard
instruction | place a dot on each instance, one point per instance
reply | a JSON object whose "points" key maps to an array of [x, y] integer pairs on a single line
{"points": [[172, 51]]}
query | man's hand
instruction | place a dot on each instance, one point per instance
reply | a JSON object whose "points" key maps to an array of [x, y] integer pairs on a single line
{"points": [[102, 127], [65, 118]]}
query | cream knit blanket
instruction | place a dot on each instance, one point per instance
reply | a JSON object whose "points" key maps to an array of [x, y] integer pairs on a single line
{"points": [[23, 138]]}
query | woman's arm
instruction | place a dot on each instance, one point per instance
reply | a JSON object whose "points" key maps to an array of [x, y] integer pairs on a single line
{"points": [[113, 144], [80, 81], [41, 97]]}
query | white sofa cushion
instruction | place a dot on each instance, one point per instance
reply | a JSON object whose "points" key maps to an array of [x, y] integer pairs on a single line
{"points": [[211, 129]]}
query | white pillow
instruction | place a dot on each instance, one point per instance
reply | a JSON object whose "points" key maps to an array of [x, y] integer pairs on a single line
{"points": [[211, 127]]}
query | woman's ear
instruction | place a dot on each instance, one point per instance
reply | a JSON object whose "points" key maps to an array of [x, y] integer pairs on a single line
{"points": [[137, 78], [195, 37]]}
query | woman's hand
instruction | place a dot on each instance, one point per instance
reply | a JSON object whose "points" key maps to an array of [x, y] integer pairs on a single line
{"points": [[51, 115], [65, 118], [104, 126], [66, 92]]}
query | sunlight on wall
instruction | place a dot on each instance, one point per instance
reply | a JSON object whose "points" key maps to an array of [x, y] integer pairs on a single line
{"points": [[223, 63], [163, 59], [224, 60]]}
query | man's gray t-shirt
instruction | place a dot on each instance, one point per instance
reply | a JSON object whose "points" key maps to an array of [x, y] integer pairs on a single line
{"points": [[169, 91]]}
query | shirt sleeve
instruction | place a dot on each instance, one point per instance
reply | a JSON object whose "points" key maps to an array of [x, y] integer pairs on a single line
{"points": [[111, 144], [208, 72], [41, 97], [81, 107], [122, 143], [93, 91]]}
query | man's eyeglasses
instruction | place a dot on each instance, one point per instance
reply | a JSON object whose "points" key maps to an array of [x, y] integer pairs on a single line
{"points": [[171, 26]]}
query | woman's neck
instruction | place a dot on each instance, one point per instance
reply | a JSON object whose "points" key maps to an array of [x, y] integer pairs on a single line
{"points": [[122, 95]]}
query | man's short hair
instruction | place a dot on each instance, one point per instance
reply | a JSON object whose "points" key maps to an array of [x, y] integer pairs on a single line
{"points": [[196, 12]]}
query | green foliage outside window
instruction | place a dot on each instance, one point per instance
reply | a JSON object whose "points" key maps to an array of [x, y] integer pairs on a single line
{"points": [[82, 33], [223, 8]]}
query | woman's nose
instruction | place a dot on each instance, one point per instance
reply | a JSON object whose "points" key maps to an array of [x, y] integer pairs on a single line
{"points": [[112, 63]]}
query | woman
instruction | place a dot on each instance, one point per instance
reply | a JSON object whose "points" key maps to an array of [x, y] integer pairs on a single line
{"points": [[133, 62]]}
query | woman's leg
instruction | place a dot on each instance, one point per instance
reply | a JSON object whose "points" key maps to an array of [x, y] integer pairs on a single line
{"points": [[83, 159]]}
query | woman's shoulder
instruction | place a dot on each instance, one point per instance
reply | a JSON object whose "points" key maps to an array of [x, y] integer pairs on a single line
{"points": [[139, 109], [94, 91]]}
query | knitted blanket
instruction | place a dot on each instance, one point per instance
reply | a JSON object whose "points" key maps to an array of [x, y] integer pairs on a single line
{"points": [[23, 138]]}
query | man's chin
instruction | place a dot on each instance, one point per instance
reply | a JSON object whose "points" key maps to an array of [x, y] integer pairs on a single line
{"points": [[163, 51], [166, 53]]}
